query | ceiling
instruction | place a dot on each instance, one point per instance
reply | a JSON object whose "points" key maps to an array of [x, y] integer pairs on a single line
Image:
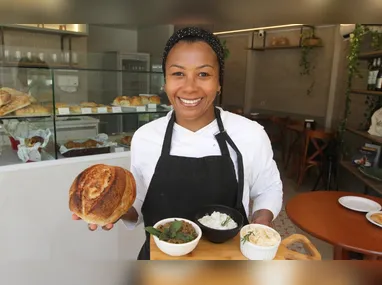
{"points": [[227, 14]]}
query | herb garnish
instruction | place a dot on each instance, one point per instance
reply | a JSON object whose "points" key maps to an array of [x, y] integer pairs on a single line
{"points": [[173, 232], [226, 221], [246, 237]]}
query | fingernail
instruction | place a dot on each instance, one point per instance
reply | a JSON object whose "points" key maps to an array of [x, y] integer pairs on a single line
{"points": [[107, 227], [92, 228]]}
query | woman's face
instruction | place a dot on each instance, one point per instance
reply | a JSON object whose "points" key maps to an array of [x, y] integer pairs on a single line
{"points": [[192, 79]]}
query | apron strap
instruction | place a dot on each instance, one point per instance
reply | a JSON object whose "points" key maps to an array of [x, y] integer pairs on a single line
{"points": [[240, 171], [168, 135], [220, 137]]}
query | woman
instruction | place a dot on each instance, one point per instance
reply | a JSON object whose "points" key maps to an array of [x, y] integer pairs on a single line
{"points": [[199, 154]]}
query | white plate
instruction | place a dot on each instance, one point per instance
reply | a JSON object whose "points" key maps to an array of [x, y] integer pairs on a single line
{"points": [[359, 204], [368, 215]]}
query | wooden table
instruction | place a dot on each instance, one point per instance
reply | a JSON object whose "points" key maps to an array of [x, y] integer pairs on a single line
{"points": [[320, 214], [230, 250]]}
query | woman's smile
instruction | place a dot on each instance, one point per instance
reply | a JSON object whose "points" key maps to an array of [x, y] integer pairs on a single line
{"points": [[190, 103]]}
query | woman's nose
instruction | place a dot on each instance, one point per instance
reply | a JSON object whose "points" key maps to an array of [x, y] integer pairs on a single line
{"points": [[190, 83]]}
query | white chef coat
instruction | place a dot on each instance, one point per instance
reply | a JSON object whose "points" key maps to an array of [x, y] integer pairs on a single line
{"points": [[262, 180]]}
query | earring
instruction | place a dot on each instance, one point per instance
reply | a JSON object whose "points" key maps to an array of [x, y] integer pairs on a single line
{"points": [[218, 93]]}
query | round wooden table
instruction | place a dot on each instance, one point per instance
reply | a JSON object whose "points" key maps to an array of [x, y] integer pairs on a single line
{"points": [[320, 214]]}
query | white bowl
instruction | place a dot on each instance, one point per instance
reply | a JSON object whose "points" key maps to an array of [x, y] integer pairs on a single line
{"points": [[257, 252], [177, 249]]}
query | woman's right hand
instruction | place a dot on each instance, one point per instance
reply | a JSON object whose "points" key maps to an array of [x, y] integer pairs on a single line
{"points": [[93, 227]]}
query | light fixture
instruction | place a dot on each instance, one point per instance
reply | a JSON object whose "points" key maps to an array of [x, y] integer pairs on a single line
{"points": [[257, 29]]}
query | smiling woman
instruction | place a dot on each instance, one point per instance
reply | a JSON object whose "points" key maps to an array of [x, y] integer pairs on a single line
{"points": [[192, 72], [199, 154]]}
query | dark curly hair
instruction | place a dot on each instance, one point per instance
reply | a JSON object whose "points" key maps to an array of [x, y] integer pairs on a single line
{"points": [[194, 34]]}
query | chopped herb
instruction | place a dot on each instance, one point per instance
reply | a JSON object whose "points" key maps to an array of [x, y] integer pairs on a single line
{"points": [[245, 238], [226, 221]]}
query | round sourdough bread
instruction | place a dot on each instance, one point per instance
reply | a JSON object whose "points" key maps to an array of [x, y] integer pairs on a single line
{"points": [[101, 194]]}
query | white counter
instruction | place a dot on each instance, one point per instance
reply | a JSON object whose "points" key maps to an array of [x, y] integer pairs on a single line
{"points": [[36, 222]]}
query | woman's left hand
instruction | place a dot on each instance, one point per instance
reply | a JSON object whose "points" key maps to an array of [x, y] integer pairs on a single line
{"points": [[263, 217]]}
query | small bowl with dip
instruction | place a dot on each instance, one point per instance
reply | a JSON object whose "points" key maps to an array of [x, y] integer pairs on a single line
{"points": [[219, 223], [259, 242], [175, 236]]}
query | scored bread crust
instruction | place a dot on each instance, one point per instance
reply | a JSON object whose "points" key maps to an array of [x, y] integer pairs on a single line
{"points": [[101, 194]]}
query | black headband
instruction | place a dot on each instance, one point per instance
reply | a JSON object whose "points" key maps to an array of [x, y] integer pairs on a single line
{"points": [[199, 34]]}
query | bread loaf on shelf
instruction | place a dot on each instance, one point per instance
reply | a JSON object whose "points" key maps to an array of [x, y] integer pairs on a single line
{"points": [[88, 104], [154, 100], [33, 110], [16, 103], [5, 97], [122, 101], [136, 101], [101, 194], [145, 99], [15, 92]]}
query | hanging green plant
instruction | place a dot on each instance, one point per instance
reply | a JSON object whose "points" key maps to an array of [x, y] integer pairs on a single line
{"points": [[353, 71], [376, 38], [309, 40], [225, 48]]}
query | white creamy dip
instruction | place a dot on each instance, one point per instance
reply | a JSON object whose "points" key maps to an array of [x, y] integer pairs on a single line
{"points": [[216, 220], [261, 236]]}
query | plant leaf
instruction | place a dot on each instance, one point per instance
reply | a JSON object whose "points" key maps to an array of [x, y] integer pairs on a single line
{"points": [[153, 231], [165, 235], [175, 227], [184, 237]]}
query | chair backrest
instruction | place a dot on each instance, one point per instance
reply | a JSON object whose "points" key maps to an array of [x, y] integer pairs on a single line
{"points": [[279, 120], [314, 137]]}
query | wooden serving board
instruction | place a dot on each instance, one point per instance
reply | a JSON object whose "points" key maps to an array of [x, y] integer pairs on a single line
{"points": [[230, 250]]}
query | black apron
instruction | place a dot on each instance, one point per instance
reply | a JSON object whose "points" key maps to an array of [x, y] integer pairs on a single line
{"points": [[182, 185]]}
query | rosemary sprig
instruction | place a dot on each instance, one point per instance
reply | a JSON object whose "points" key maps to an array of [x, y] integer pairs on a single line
{"points": [[246, 237], [226, 221]]}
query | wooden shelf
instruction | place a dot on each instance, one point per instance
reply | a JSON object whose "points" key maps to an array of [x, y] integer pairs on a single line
{"points": [[278, 48], [43, 30], [38, 65], [366, 92], [373, 184], [365, 135], [370, 54]]}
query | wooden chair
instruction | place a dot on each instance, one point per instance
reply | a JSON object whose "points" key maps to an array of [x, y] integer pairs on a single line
{"points": [[279, 135], [313, 138], [293, 147]]}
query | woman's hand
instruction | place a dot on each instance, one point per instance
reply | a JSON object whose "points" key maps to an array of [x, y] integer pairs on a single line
{"points": [[131, 216], [263, 217], [93, 227]]}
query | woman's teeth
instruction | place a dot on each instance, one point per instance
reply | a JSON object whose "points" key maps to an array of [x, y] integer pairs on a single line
{"points": [[190, 103]]}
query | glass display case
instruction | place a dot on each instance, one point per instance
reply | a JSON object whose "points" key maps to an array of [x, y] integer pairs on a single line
{"points": [[50, 112]]}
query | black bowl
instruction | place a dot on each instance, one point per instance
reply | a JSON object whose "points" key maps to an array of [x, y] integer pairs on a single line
{"points": [[219, 236]]}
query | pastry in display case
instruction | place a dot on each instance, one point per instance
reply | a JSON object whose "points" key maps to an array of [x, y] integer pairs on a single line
{"points": [[99, 144], [60, 120]]}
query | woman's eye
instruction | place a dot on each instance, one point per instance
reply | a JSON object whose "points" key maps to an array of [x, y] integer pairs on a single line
{"points": [[203, 74], [177, 73]]}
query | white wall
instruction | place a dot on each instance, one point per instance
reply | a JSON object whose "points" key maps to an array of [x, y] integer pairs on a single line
{"points": [[152, 40], [36, 222], [102, 39]]}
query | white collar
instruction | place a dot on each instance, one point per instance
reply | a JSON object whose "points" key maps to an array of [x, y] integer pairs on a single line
{"points": [[212, 124]]}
